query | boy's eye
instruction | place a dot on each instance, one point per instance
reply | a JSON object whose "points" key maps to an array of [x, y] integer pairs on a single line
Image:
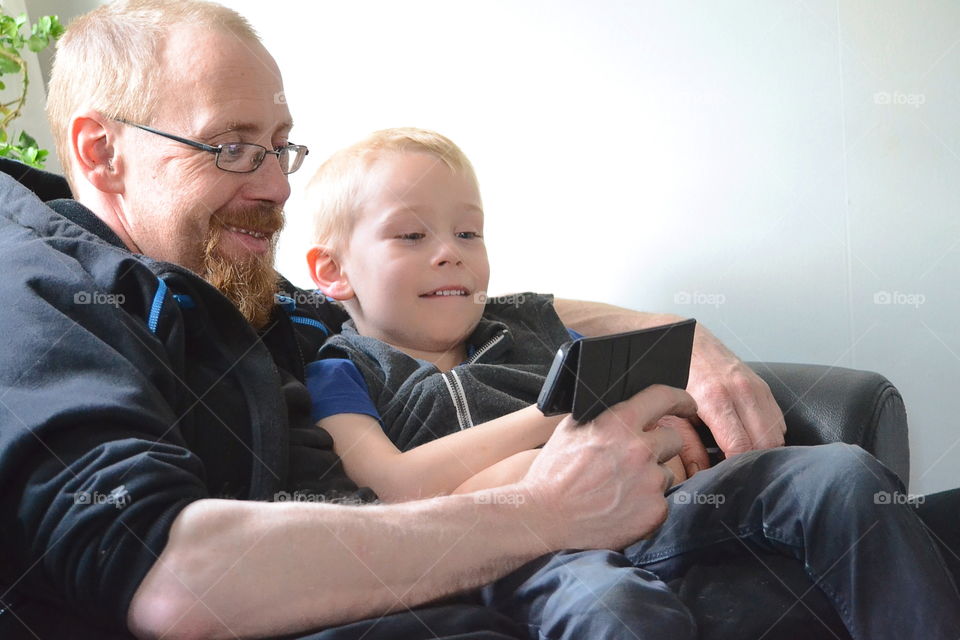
{"points": [[468, 235], [411, 236]]}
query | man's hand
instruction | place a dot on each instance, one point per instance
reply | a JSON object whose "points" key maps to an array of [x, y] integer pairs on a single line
{"points": [[735, 404], [601, 484]]}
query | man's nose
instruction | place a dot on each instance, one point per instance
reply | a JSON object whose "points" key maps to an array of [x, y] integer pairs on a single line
{"points": [[268, 183]]}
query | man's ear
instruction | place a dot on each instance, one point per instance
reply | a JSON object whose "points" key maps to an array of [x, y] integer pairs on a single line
{"points": [[327, 274], [94, 152]]}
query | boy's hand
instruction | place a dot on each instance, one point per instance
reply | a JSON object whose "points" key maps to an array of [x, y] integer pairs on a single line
{"points": [[675, 465], [601, 484]]}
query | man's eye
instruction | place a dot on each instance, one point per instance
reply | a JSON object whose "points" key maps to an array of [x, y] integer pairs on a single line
{"points": [[233, 151], [411, 236], [468, 235]]}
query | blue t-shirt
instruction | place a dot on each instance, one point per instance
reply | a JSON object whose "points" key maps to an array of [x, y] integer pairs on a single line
{"points": [[337, 386]]}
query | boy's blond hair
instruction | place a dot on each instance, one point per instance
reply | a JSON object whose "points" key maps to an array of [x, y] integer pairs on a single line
{"points": [[336, 192], [107, 60]]}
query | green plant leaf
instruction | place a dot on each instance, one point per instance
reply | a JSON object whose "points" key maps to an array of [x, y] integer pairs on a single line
{"points": [[8, 66], [45, 23], [56, 29], [8, 28], [26, 140], [2, 86], [38, 43]]}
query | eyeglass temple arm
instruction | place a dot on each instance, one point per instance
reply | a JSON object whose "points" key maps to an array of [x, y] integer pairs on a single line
{"points": [[192, 143]]}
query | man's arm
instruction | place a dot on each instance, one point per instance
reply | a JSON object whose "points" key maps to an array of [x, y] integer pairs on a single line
{"points": [[437, 467], [247, 569], [734, 402]]}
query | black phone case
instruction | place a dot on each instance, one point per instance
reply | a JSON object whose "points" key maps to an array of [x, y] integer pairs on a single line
{"points": [[589, 375]]}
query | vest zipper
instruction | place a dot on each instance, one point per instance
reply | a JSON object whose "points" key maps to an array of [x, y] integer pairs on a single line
{"points": [[486, 346], [455, 388]]}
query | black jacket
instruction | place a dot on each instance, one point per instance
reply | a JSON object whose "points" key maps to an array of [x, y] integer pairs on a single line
{"points": [[128, 389]]}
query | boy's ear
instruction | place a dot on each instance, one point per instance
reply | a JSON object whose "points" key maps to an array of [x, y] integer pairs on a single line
{"points": [[327, 274], [94, 152]]}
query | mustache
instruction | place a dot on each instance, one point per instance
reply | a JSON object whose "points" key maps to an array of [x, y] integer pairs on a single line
{"points": [[263, 218]]}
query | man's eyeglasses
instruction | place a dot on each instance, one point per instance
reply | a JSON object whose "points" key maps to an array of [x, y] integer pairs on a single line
{"points": [[239, 157]]}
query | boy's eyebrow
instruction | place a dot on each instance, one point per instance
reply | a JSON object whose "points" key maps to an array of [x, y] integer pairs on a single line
{"points": [[405, 211]]}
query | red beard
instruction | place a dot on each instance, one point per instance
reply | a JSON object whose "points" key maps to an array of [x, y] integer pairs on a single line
{"points": [[250, 284]]}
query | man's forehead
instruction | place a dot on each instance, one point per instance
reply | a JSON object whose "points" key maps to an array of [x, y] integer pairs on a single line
{"points": [[222, 82]]}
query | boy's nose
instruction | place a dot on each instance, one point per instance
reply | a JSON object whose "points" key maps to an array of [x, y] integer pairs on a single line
{"points": [[447, 255]]}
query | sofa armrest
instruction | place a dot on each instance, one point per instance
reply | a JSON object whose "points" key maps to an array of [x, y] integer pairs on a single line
{"points": [[832, 404]]}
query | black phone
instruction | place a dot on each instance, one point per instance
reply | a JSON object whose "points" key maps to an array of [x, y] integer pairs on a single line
{"points": [[589, 375]]}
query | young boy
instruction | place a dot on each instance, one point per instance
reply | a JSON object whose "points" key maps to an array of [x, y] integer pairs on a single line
{"points": [[400, 243], [424, 359]]}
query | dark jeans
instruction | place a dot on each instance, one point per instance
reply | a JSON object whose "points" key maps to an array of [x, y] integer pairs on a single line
{"points": [[833, 509], [573, 595], [837, 511], [940, 512]]}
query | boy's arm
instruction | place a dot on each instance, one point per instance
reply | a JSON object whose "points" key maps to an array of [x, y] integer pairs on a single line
{"points": [[437, 467], [733, 401], [500, 474]]}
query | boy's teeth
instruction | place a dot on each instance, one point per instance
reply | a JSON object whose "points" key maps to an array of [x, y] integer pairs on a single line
{"points": [[255, 234], [451, 292]]}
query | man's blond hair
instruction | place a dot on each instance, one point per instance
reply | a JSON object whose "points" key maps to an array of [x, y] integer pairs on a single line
{"points": [[107, 60], [336, 193]]}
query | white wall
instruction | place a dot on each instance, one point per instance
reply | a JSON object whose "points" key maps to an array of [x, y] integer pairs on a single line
{"points": [[772, 168]]}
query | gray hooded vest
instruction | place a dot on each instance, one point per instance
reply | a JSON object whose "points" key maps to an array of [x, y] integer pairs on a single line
{"points": [[510, 354]]}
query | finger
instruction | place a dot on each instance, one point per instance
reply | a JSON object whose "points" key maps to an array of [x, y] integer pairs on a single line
{"points": [[644, 409], [692, 452], [668, 477], [664, 443], [761, 416], [719, 412]]}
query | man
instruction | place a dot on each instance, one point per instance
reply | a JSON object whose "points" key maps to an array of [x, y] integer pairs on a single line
{"points": [[137, 398]]}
